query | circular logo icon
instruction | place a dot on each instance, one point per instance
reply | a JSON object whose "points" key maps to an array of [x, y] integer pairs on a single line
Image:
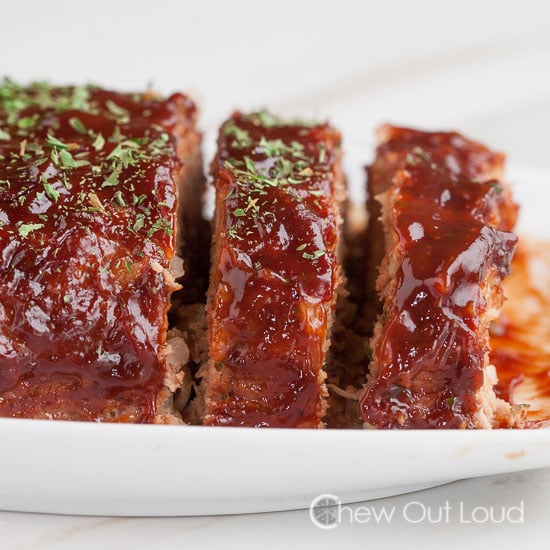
{"points": [[323, 511]]}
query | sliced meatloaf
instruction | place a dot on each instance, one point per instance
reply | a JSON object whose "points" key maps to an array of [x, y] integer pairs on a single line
{"points": [[443, 223], [88, 196], [275, 272]]}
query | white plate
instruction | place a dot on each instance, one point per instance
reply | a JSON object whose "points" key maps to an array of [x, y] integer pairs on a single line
{"points": [[102, 469], [140, 470]]}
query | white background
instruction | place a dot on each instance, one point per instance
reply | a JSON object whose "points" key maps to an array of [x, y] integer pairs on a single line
{"points": [[480, 67]]}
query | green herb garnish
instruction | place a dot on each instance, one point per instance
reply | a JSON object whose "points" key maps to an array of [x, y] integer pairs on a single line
{"points": [[67, 159], [51, 193], [242, 137], [54, 142], [118, 198], [316, 255], [99, 142], [119, 112], [27, 122], [27, 228], [113, 178], [76, 124]]}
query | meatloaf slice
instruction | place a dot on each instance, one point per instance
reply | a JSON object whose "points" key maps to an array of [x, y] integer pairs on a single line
{"points": [[446, 220], [275, 272], [88, 197]]}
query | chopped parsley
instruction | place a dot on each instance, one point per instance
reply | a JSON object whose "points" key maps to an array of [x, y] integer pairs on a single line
{"points": [[267, 163], [125, 152], [26, 228], [233, 233], [51, 193], [14, 99], [118, 199], [265, 118], [56, 143], [250, 166], [99, 142], [137, 200], [113, 178], [242, 137], [107, 159], [315, 256], [76, 124], [162, 224], [67, 159], [27, 122], [139, 223], [121, 114]]}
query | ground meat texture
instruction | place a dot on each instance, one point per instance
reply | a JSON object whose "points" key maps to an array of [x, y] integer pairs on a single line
{"points": [[274, 272], [88, 198]]}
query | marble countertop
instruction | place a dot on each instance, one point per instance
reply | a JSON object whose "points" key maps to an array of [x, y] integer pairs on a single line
{"points": [[295, 529], [480, 67]]}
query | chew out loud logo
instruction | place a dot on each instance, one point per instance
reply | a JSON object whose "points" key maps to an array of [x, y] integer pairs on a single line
{"points": [[327, 512]]}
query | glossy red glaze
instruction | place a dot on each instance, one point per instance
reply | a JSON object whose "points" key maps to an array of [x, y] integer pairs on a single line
{"points": [[428, 361], [275, 272], [512, 359], [83, 311], [519, 339]]}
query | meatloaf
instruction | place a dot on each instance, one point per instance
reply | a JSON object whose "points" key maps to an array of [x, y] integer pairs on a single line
{"points": [[443, 237], [88, 196], [275, 272]]}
